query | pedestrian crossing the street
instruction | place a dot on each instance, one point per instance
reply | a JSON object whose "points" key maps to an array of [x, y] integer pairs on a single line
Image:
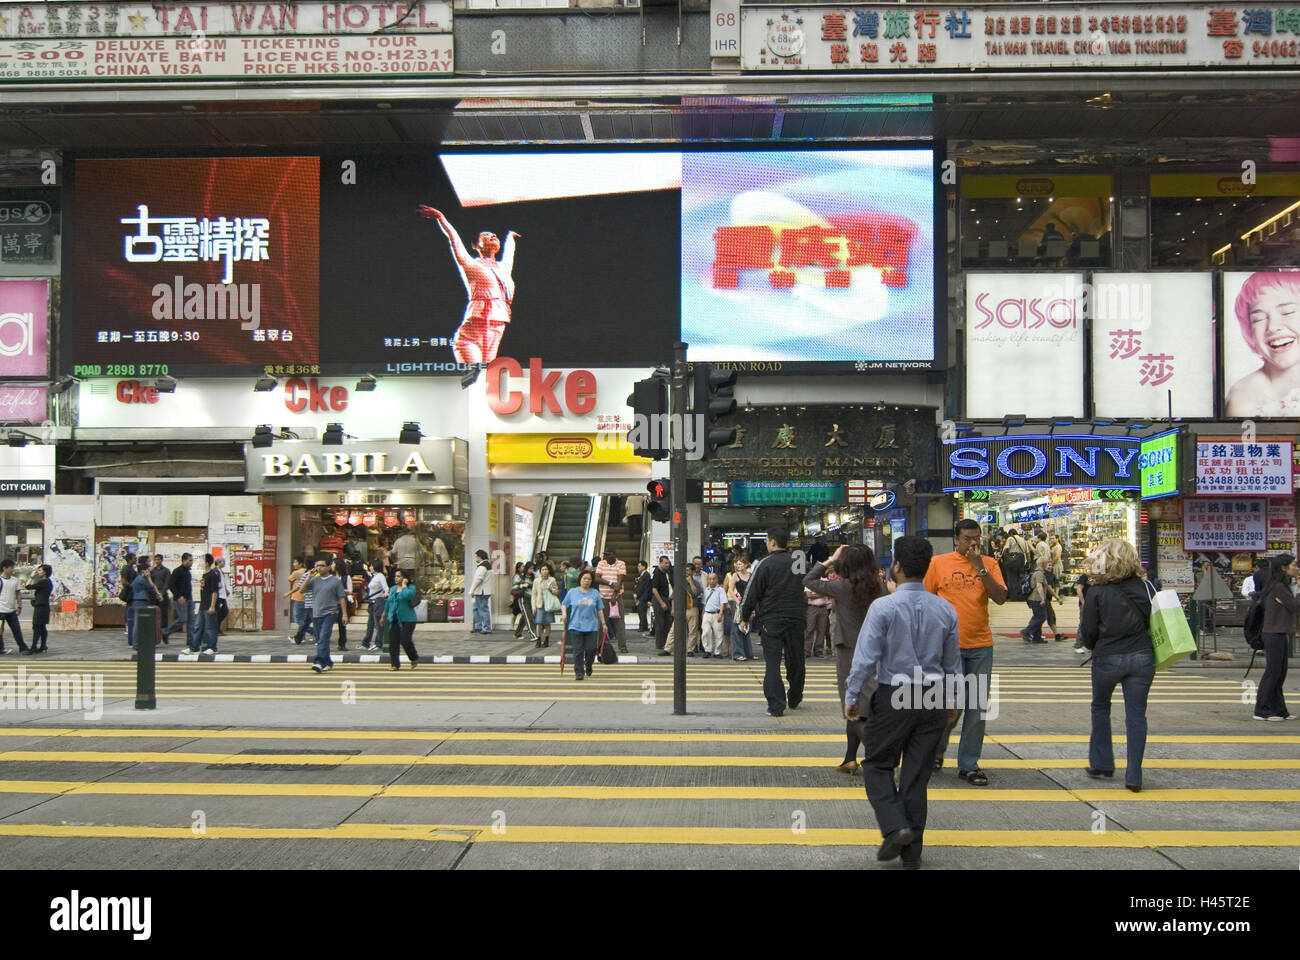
{"points": [[762, 792]]}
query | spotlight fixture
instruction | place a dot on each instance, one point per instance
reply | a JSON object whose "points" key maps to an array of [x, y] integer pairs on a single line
{"points": [[333, 435], [263, 435], [1014, 420], [63, 384], [165, 385], [1139, 425], [366, 384], [410, 433], [265, 384], [467, 381], [17, 439]]}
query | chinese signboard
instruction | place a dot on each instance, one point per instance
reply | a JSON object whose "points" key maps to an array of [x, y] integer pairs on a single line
{"points": [[1158, 465], [1255, 468], [1024, 345], [1029, 462], [966, 37], [1224, 525], [269, 57], [1173, 563], [96, 20], [763, 493], [825, 443], [26, 231], [1281, 527], [1153, 344]]}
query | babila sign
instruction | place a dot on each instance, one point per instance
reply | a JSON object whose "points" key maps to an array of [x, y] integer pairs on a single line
{"points": [[303, 465], [1041, 462]]}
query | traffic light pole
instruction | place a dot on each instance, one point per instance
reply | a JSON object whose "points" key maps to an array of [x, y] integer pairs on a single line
{"points": [[677, 484]]}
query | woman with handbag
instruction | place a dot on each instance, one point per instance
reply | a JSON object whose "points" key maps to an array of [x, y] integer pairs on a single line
{"points": [[741, 647], [399, 614], [584, 622], [856, 587], [1280, 606], [546, 603], [1115, 625]]}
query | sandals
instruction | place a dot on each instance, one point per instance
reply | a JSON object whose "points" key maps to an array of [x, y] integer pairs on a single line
{"points": [[976, 778], [848, 766]]}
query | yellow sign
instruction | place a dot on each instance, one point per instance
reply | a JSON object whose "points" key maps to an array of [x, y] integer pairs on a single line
{"points": [[1225, 184], [1029, 185], [566, 448]]}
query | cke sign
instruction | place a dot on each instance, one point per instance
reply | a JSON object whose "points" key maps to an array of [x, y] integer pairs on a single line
{"points": [[984, 463]]}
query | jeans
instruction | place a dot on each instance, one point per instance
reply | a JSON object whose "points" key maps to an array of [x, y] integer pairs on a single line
{"points": [[741, 642], [778, 638], [303, 618], [15, 626], [584, 651], [1134, 673], [482, 613], [323, 629], [208, 632], [297, 612], [1034, 629], [975, 662], [372, 626], [182, 621], [130, 626], [1269, 702]]}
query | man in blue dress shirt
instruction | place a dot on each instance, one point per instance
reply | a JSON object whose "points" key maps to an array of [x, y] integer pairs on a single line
{"points": [[908, 657]]}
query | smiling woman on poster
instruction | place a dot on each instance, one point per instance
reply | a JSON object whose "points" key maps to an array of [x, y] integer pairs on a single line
{"points": [[1268, 312], [490, 286]]}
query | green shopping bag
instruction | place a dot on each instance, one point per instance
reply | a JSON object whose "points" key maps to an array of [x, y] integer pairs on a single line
{"points": [[1171, 637]]}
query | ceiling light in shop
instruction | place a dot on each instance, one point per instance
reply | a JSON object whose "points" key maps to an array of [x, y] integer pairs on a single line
{"points": [[264, 384], [165, 385], [367, 384]]}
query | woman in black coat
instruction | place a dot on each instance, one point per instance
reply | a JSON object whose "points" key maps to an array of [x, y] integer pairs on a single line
{"points": [[1280, 606], [1114, 625]]}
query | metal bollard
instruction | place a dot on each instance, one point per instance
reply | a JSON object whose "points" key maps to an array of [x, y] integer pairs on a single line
{"points": [[146, 641]]}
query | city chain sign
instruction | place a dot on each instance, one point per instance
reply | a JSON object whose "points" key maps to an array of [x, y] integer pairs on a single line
{"points": [[890, 37]]}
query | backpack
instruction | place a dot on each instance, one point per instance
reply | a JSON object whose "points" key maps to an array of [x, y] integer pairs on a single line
{"points": [[1012, 547], [1253, 626], [125, 593], [1027, 585]]}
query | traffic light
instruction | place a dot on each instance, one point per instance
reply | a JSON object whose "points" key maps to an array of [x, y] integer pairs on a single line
{"points": [[712, 397], [649, 403], [659, 506]]}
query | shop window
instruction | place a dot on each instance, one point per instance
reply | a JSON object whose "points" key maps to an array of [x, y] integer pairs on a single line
{"points": [[1225, 231], [1036, 222], [24, 540]]}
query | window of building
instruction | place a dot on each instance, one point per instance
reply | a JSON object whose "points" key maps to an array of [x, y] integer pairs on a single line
{"points": [[1215, 220], [1034, 221]]}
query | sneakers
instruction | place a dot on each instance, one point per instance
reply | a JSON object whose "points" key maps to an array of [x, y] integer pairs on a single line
{"points": [[1080, 649], [776, 713], [317, 668], [209, 651]]}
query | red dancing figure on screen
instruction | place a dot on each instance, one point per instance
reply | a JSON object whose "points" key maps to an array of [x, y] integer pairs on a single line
{"points": [[490, 286]]}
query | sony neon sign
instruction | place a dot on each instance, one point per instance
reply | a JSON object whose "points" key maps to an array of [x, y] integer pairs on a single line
{"points": [[1043, 462]]}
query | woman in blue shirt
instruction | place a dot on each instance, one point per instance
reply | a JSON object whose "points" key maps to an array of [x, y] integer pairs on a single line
{"points": [[584, 619], [399, 614]]}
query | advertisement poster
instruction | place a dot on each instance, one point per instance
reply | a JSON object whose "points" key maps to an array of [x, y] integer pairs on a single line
{"points": [[1024, 345], [1261, 343], [24, 328], [1224, 526], [1281, 527], [1172, 561], [1153, 344], [443, 262], [1256, 468], [799, 256], [110, 557], [192, 264]]}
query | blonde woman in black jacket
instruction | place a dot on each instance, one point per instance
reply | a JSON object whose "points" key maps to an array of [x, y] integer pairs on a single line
{"points": [[1280, 607], [1114, 626]]}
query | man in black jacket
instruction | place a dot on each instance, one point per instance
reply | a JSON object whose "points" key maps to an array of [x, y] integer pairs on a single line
{"points": [[775, 592], [161, 577], [643, 595]]}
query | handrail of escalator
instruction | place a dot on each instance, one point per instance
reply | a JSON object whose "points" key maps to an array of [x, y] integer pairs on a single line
{"points": [[543, 538]]}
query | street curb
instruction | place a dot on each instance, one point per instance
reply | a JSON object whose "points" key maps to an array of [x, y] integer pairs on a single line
{"points": [[357, 658]]}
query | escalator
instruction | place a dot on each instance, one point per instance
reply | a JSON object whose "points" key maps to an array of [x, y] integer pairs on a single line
{"points": [[629, 551], [568, 527]]}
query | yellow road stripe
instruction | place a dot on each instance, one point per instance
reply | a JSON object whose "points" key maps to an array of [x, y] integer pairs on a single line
{"points": [[514, 792], [582, 760], [628, 698], [678, 836], [563, 736]]}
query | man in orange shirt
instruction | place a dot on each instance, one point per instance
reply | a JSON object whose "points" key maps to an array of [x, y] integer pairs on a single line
{"points": [[968, 580]]}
